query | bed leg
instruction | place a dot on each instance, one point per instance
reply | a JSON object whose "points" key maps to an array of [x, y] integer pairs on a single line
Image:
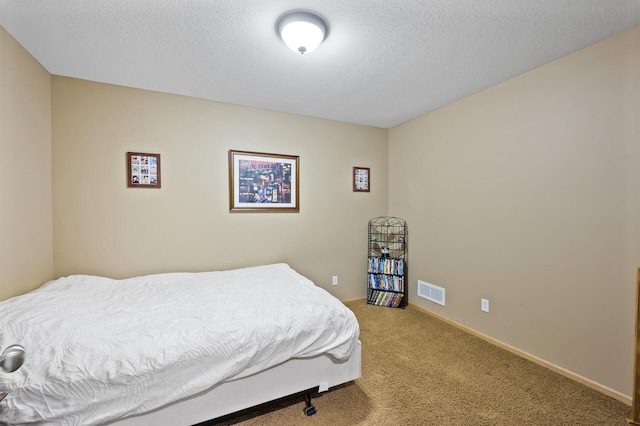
{"points": [[309, 409]]}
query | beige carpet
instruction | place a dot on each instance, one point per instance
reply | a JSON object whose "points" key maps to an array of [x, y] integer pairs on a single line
{"points": [[417, 370]]}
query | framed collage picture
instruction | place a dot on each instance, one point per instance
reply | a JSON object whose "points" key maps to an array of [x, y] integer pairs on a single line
{"points": [[361, 179], [143, 170], [261, 182]]}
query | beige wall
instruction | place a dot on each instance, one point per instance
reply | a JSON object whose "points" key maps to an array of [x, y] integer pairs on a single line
{"points": [[102, 227], [26, 248], [528, 194]]}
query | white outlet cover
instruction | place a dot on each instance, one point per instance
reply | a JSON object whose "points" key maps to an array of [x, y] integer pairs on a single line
{"points": [[484, 305]]}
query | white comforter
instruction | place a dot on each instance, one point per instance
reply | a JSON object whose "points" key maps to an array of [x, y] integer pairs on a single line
{"points": [[100, 349]]}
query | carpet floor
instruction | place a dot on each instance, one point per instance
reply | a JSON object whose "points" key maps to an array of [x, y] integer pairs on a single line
{"points": [[418, 370]]}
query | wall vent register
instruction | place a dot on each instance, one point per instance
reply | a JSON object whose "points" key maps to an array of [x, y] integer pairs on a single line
{"points": [[431, 292]]}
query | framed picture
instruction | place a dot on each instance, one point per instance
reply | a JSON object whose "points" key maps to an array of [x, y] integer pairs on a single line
{"points": [[361, 179], [260, 182], [143, 170]]}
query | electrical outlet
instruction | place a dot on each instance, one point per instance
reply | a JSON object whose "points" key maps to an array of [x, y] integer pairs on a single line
{"points": [[484, 305], [335, 280]]}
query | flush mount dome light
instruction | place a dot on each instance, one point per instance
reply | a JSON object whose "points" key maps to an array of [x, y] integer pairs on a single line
{"points": [[302, 31]]}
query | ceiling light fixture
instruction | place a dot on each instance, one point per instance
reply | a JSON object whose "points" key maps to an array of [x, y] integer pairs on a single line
{"points": [[302, 31]]}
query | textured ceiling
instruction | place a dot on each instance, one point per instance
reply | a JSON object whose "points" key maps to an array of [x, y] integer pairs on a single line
{"points": [[383, 63]]}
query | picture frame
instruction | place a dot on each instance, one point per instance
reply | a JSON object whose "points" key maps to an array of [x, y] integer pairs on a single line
{"points": [[361, 179], [263, 182], [143, 170]]}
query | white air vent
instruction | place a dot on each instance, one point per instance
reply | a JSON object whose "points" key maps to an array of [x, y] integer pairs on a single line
{"points": [[431, 292]]}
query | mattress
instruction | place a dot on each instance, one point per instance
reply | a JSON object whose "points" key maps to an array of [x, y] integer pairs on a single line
{"points": [[100, 349]]}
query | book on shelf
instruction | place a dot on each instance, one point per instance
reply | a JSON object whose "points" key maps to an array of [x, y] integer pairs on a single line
{"points": [[386, 282], [383, 265], [384, 298]]}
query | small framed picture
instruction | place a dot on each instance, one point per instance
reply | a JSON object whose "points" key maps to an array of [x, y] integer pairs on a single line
{"points": [[361, 179], [143, 170]]}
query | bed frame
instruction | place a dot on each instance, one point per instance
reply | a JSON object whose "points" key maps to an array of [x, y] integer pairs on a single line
{"points": [[297, 376]]}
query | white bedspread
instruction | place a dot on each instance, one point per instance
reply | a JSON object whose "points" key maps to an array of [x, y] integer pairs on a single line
{"points": [[100, 349]]}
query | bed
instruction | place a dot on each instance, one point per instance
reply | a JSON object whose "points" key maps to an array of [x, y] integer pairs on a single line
{"points": [[172, 349]]}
